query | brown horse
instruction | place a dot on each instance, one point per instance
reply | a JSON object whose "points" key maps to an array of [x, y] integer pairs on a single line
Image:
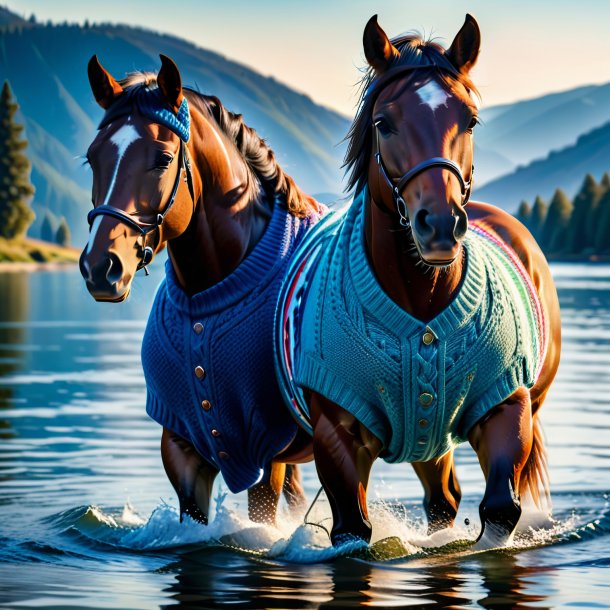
{"points": [[438, 269], [173, 167]]}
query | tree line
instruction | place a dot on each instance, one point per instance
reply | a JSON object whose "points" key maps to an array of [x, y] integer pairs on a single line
{"points": [[578, 227], [16, 189]]}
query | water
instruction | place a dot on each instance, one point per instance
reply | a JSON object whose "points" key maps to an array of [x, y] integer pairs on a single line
{"points": [[88, 518]]}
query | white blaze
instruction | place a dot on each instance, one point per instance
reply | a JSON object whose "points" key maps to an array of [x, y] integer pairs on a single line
{"points": [[433, 95], [122, 138]]}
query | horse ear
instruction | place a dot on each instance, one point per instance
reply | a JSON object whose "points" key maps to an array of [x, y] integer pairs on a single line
{"points": [[170, 82], [378, 49], [105, 88], [465, 47]]}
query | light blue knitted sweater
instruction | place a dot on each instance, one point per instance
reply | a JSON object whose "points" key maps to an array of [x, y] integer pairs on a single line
{"points": [[418, 387]]}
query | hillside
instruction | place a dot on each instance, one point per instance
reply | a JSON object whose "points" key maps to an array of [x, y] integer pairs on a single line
{"points": [[564, 169], [47, 68], [530, 129]]}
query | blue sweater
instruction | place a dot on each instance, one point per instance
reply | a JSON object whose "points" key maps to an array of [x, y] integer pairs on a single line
{"points": [[230, 408], [418, 387]]}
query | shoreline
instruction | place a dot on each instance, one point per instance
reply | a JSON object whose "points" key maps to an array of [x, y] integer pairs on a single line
{"points": [[21, 266]]}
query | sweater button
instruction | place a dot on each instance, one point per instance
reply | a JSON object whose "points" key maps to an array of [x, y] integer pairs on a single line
{"points": [[199, 372], [428, 337], [215, 433], [223, 455], [198, 328], [425, 398], [423, 422], [206, 405]]}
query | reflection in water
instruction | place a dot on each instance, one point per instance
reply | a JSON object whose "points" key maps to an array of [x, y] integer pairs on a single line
{"points": [[505, 583], [13, 313], [215, 578]]}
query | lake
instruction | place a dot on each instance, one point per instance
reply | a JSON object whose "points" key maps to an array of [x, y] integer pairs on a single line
{"points": [[88, 518]]}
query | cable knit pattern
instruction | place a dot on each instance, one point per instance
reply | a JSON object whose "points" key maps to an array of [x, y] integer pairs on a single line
{"points": [[419, 387], [227, 330]]}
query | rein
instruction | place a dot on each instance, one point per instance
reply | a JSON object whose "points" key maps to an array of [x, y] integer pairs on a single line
{"points": [[397, 185]]}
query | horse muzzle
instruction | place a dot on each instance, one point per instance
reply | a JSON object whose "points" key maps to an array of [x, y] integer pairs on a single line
{"points": [[438, 237], [105, 279]]}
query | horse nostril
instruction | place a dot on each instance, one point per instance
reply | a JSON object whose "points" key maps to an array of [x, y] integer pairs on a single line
{"points": [[461, 224], [115, 271], [107, 272], [423, 229]]}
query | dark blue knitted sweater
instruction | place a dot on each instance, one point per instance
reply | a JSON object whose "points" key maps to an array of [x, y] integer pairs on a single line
{"points": [[208, 359]]}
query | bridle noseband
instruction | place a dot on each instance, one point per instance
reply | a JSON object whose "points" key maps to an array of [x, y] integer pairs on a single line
{"points": [[397, 185], [149, 103]]}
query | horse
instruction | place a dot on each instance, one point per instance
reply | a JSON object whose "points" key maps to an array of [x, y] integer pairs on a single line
{"points": [[173, 167], [425, 319]]}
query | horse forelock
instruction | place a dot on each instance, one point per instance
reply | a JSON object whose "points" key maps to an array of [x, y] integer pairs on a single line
{"points": [[413, 51]]}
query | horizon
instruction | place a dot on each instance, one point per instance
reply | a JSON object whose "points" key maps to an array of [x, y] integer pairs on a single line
{"points": [[539, 72]]}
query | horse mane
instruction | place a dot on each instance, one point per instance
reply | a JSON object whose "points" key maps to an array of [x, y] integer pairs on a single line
{"points": [[257, 154], [414, 51]]}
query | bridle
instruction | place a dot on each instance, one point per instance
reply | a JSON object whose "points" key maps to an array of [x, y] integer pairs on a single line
{"points": [[397, 185], [146, 228]]}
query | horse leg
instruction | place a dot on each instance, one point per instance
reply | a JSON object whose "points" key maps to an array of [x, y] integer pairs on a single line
{"points": [[503, 442], [442, 492], [263, 498], [191, 476], [292, 489], [344, 452]]}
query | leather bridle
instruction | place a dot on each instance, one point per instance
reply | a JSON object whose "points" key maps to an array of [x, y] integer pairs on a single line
{"points": [[397, 185], [144, 228]]}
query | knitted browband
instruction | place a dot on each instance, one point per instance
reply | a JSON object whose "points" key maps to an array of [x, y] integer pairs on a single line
{"points": [[150, 103]]}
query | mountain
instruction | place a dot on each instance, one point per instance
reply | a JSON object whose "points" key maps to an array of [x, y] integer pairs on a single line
{"points": [[565, 169], [530, 129], [46, 66], [8, 18], [489, 164]]}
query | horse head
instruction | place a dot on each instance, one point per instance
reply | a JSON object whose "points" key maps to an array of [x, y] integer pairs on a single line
{"points": [[412, 140], [142, 185]]}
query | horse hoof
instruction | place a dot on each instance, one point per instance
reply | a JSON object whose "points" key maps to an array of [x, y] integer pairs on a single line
{"points": [[493, 536], [191, 509], [343, 539]]}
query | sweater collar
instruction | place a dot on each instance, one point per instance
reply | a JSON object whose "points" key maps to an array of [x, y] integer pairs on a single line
{"points": [[252, 272], [381, 306]]}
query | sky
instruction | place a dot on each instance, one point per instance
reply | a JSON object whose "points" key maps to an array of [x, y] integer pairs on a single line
{"points": [[529, 47]]}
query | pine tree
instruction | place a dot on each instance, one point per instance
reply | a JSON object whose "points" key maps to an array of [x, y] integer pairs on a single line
{"points": [[15, 186], [63, 233], [553, 234], [524, 213], [605, 182], [538, 217], [602, 233], [48, 230], [582, 230]]}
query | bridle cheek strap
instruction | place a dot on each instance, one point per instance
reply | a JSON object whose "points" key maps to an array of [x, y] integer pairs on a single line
{"points": [[398, 186], [145, 229]]}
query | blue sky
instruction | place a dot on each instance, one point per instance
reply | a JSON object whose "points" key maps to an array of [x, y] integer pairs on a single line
{"points": [[529, 48]]}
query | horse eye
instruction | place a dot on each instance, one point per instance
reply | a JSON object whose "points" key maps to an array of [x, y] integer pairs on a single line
{"points": [[382, 126], [163, 160], [473, 123]]}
